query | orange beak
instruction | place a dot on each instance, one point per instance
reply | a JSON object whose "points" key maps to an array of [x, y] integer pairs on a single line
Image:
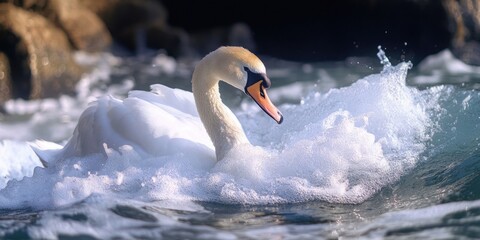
{"points": [[259, 95]]}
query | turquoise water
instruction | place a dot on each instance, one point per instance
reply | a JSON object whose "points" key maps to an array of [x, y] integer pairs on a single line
{"points": [[364, 153]]}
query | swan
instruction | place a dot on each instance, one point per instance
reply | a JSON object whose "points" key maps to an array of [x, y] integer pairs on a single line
{"points": [[168, 121]]}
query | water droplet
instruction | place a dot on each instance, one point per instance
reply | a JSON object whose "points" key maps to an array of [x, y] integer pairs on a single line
{"points": [[383, 58]]}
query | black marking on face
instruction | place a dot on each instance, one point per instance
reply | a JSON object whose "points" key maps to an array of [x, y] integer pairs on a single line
{"points": [[253, 78], [262, 92]]}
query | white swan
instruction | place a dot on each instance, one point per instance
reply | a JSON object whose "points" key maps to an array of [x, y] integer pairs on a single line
{"points": [[166, 121]]}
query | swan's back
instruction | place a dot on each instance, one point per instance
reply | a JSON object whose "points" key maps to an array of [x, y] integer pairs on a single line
{"points": [[161, 122]]}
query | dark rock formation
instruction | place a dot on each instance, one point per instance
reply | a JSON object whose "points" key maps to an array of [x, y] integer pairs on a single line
{"points": [[464, 25], [239, 34], [84, 29], [5, 80], [37, 38], [38, 53], [139, 24]]}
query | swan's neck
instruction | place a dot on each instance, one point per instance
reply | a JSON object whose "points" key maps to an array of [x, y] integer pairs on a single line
{"points": [[221, 124]]}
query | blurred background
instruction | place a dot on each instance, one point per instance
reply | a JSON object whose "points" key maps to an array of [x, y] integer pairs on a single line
{"points": [[38, 37]]}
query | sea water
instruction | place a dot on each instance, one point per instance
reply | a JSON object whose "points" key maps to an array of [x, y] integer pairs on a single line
{"points": [[366, 150]]}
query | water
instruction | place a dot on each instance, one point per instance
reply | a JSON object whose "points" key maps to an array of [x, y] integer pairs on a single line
{"points": [[366, 151]]}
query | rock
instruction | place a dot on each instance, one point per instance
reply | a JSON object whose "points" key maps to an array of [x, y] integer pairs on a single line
{"points": [[174, 40], [39, 54], [139, 24], [99, 7], [239, 34], [464, 25], [84, 29], [5, 80]]}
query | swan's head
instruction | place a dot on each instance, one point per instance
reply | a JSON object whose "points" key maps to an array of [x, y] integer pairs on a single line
{"points": [[256, 86], [246, 72]]}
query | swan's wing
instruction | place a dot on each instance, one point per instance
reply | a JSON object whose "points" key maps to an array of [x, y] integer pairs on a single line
{"points": [[94, 130], [176, 98], [151, 123], [159, 129]]}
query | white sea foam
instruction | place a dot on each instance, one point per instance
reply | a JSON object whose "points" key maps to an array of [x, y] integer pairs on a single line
{"points": [[17, 160], [436, 68]]}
